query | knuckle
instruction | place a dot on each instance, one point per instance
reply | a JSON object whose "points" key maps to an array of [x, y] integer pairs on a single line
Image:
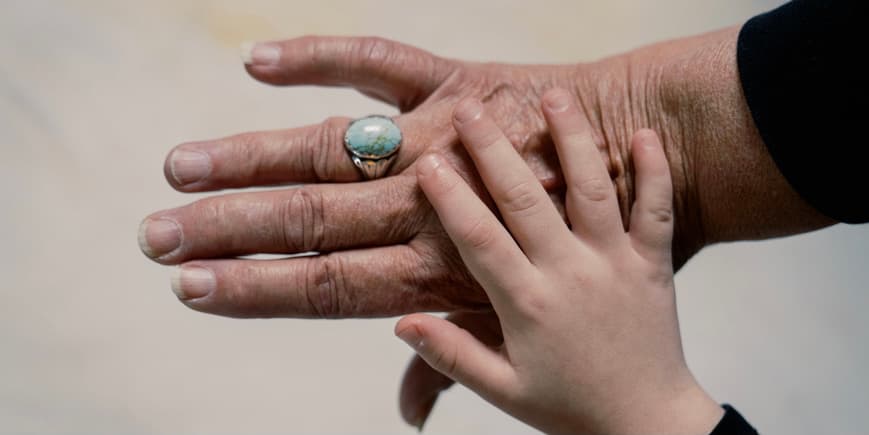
{"points": [[325, 287], [319, 53], [480, 234], [446, 360], [302, 220], [533, 304], [594, 189], [661, 213], [521, 198], [374, 45], [324, 146], [406, 214], [374, 51]]}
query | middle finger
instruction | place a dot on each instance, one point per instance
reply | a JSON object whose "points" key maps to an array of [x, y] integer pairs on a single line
{"points": [[524, 204], [318, 217]]}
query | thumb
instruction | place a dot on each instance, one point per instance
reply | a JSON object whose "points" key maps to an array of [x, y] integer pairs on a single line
{"points": [[392, 72], [458, 355], [421, 384]]}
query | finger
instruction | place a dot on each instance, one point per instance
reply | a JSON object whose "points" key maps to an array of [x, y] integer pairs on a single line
{"points": [[373, 282], [483, 243], [525, 206], [651, 226], [313, 153], [456, 354], [591, 204], [319, 217], [396, 73], [422, 384], [420, 389]]}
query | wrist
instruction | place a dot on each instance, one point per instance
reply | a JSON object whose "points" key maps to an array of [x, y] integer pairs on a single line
{"points": [[691, 411], [671, 408], [725, 184], [701, 88], [736, 189]]}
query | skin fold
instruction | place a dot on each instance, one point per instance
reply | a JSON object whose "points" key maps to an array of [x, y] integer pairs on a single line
{"points": [[382, 250]]}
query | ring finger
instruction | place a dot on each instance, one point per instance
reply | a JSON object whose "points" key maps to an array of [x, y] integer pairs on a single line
{"points": [[313, 153]]}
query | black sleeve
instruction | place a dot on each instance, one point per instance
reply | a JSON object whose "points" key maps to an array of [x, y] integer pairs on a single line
{"points": [[732, 424], [799, 67]]}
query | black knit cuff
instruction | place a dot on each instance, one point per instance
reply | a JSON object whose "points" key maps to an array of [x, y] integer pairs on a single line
{"points": [[732, 424], [798, 65]]}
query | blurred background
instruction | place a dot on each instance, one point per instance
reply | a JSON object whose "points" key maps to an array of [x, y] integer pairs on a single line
{"points": [[93, 94]]}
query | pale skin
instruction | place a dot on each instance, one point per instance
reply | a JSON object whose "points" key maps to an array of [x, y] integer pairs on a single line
{"points": [[384, 251], [587, 310]]}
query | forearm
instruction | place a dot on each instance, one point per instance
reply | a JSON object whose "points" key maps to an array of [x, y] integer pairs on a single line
{"points": [[740, 192]]}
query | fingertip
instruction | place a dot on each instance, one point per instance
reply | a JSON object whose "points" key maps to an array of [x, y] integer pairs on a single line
{"points": [[260, 54], [429, 174], [187, 167], [556, 100], [648, 153], [245, 51], [646, 138], [420, 388], [436, 178], [467, 110], [428, 165], [167, 171], [405, 322], [262, 61], [564, 117], [411, 329]]}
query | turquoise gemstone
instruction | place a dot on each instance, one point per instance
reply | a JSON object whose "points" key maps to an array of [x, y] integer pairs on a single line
{"points": [[373, 136]]}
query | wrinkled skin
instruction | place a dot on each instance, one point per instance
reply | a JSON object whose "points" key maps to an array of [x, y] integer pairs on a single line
{"points": [[382, 249]]}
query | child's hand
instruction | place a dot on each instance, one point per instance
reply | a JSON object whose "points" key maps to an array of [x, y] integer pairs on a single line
{"points": [[588, 313]]}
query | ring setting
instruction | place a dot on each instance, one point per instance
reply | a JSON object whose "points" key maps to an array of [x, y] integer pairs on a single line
{"points": [[373, 142]]}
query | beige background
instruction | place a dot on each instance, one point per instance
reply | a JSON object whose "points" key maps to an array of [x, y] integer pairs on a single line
{"points": [[94, 93]]}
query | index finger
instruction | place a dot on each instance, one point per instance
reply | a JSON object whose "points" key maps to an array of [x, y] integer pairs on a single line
{"points": [[399, 74], [483, 243], [591, 203]]}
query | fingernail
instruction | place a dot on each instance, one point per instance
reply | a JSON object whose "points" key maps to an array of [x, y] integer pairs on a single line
{"points": [[189, 166], [468, 110], [159, 237], [557, 101], [428, 164], [192, 282], [410, 335], [260, 53]]}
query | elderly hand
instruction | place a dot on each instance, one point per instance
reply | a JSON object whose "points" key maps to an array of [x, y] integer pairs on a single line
{"points": [[383, 251]]}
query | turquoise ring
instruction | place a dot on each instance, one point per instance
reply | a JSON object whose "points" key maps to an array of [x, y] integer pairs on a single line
{"points": [[373, 143]]}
